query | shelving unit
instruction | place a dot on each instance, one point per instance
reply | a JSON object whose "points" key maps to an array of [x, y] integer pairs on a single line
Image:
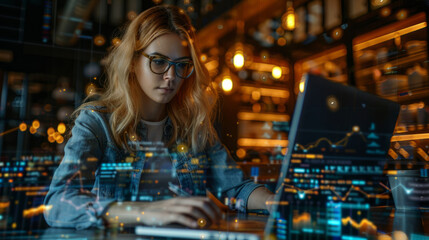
{"points": [[389, 61], [262, 113], [392, 63]]}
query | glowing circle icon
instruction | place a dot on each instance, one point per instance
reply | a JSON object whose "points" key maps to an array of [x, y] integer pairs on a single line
{"points": [[332, 103]]}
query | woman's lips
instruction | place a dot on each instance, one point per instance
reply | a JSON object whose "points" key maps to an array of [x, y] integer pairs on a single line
{"points": [[166, 90]]}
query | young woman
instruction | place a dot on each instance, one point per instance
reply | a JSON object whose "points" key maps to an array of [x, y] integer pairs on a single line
{"points": [[159, 91]]}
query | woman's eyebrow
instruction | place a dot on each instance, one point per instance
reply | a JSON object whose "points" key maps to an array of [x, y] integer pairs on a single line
{"points": [[162, 55]]}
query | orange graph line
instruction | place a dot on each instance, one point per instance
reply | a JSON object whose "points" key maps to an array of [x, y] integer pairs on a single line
{"points": [[305, 217], [28, 213], [357, 189], [296, 189], [8, 131], [365, 223], [343, 142], [332, 189]]}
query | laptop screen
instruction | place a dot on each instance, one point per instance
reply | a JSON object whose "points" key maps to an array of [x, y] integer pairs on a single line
{"points": [[337, 148]]}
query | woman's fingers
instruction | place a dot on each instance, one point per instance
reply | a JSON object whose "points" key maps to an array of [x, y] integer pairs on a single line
{"points": [[183, 219], [192, 212], [189, 210], [210, 209], [201, 209]]}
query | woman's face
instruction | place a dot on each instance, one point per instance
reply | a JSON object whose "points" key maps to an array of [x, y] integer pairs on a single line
{"points": [[159, 89]]}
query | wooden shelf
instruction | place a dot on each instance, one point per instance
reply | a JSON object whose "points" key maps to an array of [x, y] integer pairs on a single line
{"points": [[409, 59]]}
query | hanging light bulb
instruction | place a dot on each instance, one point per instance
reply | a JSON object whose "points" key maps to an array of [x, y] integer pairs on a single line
{"points": [[239, 56], [238, 59], [288, 19], [227, 84], [276, 72]]}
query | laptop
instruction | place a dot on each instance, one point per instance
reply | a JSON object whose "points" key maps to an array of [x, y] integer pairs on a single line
{"points": [[338, 141]]}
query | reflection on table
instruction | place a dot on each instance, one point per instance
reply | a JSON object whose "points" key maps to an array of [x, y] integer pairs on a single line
{"points": [[383, 223]]}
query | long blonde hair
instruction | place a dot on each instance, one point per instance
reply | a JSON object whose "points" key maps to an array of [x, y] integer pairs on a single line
{"points": [[192, 109]]}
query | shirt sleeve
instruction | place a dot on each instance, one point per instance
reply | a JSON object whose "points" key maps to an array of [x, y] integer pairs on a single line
{"points": [[72, 198], [227, 178]]}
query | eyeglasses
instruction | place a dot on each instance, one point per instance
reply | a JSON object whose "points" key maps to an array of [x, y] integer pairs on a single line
{"points": [[160, 65]]}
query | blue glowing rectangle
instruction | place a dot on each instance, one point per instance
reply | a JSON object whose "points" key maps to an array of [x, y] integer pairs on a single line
{"points": [[353, 238]]}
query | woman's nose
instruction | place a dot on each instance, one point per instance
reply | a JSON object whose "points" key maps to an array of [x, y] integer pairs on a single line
{"points": [[171, 73]]}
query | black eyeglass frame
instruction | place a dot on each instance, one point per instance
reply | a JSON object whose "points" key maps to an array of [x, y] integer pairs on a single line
{"points": [[169, 65]]}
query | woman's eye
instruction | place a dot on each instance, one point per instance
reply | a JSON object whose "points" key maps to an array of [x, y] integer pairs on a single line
{"points": [[183, 65], [159, 61]]}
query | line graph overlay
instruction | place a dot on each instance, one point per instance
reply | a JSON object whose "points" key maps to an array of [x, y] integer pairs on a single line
{"points": [[316, 191], [341, 143]]}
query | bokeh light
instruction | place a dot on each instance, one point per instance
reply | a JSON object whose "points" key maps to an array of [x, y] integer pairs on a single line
{"points": [[227, 84], [238, 60], [99, 40], [35, 124], [276, 72], [22, 127], [61, 128]]}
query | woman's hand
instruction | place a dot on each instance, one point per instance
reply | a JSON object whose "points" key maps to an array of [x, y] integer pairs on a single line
{"points": [[193, 212]]}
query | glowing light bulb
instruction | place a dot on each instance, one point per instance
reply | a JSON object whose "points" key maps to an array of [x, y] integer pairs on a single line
{"points": [[33, 130], [276, 72], [51, 131], [238, 59], [182, 148], [61, 128], [22, 127], [227, 84], [288, 19], [241, 153], [301, 86], [35, 124]]}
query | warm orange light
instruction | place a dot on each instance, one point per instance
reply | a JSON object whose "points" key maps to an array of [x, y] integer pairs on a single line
{"points": [[337, 33], [256, 95], [116, 41], [51, 139], [281, 41], [256, 107], [22, 127], [302, 86], [276, 72], [364, 224], [33, 130], [265, 67], [60, 139], [389, 36], [410, 137], [4, 204], [99, 40], [28, 213], [35, 124], [131, 15], [250, 116], [241, 153], [238, 59], [378, 3], [269, 92], [254, 142], [227, 84], [50, 131], [402, 14], [57, 136], [90, 89], [182, 148], [288, 19], [385, 11], [61, 128]]}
